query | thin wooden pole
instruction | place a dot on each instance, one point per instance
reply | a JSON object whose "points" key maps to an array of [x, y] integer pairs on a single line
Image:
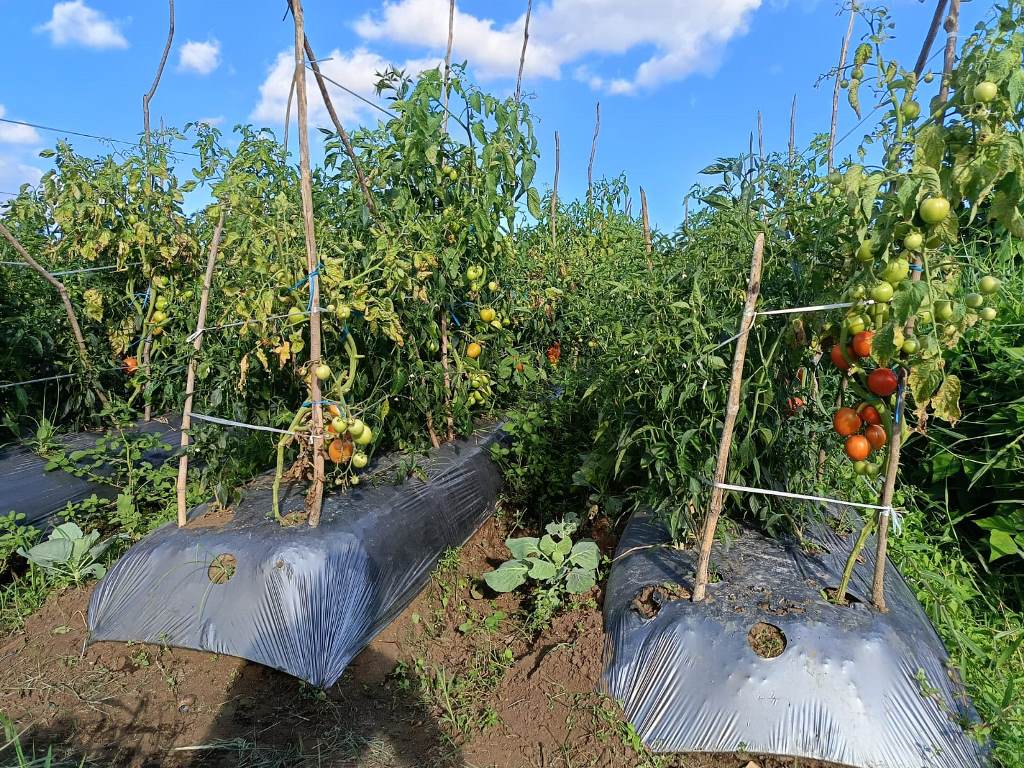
{"points": [[69, 310], [929, 39], [645, 220], [835, 91], [731, 412], [342, 133], [792, 130], [952, 25], [448, 61], [443, 323], [593, 152], [190, 379], [522, 56], [314, 499], [288, 113], [554, 196], [147, 343]]}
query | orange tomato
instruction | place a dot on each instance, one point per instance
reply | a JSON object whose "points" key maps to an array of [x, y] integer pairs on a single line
{"points": [[857, 447], [131, 365], [862, 343], [838, 360], [340, 450], [869, 414], [846, 422], [876, 436], [473, 350]]}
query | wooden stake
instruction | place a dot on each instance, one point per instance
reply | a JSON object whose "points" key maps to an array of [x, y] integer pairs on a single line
{"points": [[891, 468], [288, 113], [69, 310], [646, 221], [952, 25], [147, 344], [792, 130], [314, 499], [342, 133], [686, 210], [448, 61], [554, 196], [522, 56], [731, 412], [835, 91], [190, 380], [929, 39], [593, 152]]}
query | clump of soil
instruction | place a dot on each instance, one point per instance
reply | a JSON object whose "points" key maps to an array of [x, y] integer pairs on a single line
{"points": [[649, 600], [215, 516], [766, 640]]}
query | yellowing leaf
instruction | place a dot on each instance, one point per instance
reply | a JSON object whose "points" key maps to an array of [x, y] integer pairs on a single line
{"points": [[946, 401]]}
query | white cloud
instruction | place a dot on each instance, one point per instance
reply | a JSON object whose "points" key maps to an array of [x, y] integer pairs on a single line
{"points": [[686, 36], [14, 173], [213, 122], [355, 71], [74, 22], [199, 57], [16, 134]]}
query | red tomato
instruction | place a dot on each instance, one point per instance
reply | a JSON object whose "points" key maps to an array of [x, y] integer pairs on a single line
{"points": [[846, 422], [857, 447], [862, 343], [882, 382], [838, 360], [794, 404], [869, 413], [875, 434]]}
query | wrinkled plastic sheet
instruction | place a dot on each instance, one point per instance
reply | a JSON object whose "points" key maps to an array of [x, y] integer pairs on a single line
{"points": [[302, 600], [26, 486], [852, 686]]}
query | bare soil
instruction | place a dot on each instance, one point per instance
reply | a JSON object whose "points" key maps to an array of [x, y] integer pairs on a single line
{"points": [[456, 680]]}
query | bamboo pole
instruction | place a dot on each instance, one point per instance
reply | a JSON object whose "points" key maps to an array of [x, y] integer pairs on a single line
{"points": [[443, 324], [951, 26], [342, 133], [731, 412], [522, 56], [929, 39], [835, 91], [646, 221], [448, 61], [792, 130], [314, 499], [593, 152], [69, 310], [554, 197], [190, 380], [147, 343]]}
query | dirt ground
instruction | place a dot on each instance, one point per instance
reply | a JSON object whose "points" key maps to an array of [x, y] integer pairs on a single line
{"points": [[455, 681]]}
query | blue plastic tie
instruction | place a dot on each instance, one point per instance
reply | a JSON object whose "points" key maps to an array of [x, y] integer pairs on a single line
{"points": [[311, 280], [454, 318], [899, 401], [917, 268]]}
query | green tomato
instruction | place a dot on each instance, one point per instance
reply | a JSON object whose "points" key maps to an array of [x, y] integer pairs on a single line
{"points": [[323, 371], [872, 469], [474, 272], [344, 311], [855, 324], [365, 437], [910, 345], [944, 310], [974, 300], [860, 467], [928, 77], [339, 425], [988, 313], [895, 271], [356, 428], [911, 109], [882, 292], [296, 316], [925, 315], [161, 303], [858, 292], [493, 285], [985, 91], [864, 252], [989, 284], [913, 241], [934, 210], [359, 460], [950, 330], [159, 317]]}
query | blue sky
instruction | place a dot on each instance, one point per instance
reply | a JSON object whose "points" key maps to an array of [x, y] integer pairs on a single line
{"points": [[680, 81]]}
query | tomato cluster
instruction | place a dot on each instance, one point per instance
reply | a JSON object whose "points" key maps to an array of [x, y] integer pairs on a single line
{"points": [[865, 433]]}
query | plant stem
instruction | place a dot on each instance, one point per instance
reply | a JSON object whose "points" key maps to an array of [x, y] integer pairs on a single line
{"points": [[279, 470], [844, 584]]}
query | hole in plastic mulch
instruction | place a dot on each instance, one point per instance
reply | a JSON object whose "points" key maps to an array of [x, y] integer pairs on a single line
{"points": [[766, 640], [222, 568]]}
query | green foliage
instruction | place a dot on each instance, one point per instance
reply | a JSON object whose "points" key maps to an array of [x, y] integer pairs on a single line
{"points": [[553, 565], [14, 536], [69, 554]]}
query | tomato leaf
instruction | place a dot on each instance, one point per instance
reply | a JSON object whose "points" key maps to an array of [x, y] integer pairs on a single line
{"points": [[908, 300], [946, 401]]}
